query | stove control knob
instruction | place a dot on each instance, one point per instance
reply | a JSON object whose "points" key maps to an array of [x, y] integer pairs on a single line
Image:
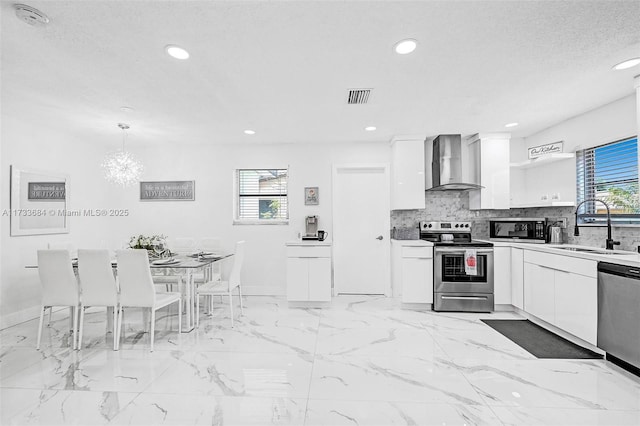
{"points": [[466, 225], [457, 225], [430, 225]]}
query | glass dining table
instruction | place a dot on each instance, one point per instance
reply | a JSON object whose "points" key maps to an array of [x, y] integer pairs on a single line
{"points": [[184, 268]]}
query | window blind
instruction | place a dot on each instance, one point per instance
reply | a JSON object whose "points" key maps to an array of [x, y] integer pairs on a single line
{"points": [[609, 173], [262, 194]]}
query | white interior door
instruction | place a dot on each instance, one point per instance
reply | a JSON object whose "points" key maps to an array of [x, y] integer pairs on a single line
{"points": [[361, 223]]}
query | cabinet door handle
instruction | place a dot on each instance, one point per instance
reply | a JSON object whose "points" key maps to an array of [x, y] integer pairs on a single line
{"points": [[379, 237]]}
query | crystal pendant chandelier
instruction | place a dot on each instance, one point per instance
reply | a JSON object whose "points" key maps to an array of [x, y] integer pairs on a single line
{"points": [[121, 167]]}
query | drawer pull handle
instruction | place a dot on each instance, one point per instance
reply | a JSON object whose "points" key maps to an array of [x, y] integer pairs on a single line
{"points": [[464, 297]]}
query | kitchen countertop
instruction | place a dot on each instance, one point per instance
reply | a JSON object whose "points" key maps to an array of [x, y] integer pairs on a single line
{"points": [[629, 258], [309, 243], [412, 243]]}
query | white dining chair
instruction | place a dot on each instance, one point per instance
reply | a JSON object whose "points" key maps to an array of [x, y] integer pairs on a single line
{"points": [[183, 245], [224, 287], [64, 245], [59, 287], [98, 286], [213, 272], [137, 289], [212, 245]]}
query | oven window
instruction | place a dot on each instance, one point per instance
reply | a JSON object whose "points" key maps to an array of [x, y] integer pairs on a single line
{"points": [[453, 269]]}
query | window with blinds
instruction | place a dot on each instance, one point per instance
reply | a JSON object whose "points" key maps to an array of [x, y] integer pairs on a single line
{"points": [[609, 173], [262, 195]]}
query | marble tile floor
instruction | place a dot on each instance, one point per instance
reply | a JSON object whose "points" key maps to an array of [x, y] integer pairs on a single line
{"points": [[363, 361]]}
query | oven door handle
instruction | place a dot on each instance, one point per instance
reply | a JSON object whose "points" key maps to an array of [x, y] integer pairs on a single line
{"points": [[464, 297], [451, 250]]}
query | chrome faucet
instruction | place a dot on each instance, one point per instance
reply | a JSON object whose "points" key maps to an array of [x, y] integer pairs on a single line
{"points": [[609, 242]]}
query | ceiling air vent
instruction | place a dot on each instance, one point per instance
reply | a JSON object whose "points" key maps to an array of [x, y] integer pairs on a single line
{"points": [[358, 96]]}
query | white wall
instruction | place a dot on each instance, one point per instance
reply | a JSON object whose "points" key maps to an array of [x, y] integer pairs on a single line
{"points": [[26, 144], [211, 166], [611, 122]]}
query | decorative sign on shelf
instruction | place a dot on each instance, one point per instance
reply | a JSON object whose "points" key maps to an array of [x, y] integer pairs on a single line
{"points": [[46, 191], [550, 148], [311, 196], [177, 190]]}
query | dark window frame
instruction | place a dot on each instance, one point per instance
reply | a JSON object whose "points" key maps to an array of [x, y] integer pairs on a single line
{"points": [[618, 173]]}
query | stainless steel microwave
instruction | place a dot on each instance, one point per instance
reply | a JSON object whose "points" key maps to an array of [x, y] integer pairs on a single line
{"points": [[525, 230]]}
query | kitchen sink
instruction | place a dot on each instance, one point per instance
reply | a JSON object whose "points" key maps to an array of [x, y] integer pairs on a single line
{"points": [[596, 251]]}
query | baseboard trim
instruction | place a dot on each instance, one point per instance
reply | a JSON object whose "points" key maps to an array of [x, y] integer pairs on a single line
{"points": [[417, 306], [504, 308], [261, 290], [570, 337]]}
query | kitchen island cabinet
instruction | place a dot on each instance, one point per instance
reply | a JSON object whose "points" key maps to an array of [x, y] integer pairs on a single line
{"points": [[309, 271]]}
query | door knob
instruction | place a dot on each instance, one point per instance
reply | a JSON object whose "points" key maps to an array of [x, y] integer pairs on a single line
{"points": [[379, 237]]}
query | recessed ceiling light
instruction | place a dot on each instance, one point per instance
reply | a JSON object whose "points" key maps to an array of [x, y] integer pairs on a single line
{"points": [[370, 128], [511, 125], [249, 132], [405, 46], [126, 109], [176, 52], [627, 64]]}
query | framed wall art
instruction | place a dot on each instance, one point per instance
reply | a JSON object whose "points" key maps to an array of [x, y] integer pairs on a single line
{"points": [[39, 202], [311, 196], [174, 190]]}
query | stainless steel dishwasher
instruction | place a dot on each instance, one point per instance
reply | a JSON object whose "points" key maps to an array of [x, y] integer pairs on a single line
{"points": [[619, 314]]}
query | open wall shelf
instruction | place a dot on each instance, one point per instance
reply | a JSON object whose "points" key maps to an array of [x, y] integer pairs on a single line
{"points": [[540, 161]]}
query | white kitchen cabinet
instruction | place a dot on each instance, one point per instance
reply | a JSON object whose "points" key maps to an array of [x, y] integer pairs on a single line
{"points": [[502, 275], [308, 272], [562, 290], [489, 166], [539, 291], [412, 270], [576, 301], [517, 277], [417, 274], [407, 174]]}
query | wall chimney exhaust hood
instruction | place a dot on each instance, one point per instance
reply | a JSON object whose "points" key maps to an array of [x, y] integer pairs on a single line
{"points": [[446, 165]]}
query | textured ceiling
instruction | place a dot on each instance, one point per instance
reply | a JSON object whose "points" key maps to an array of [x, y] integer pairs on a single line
{"points": [[284, 68]]}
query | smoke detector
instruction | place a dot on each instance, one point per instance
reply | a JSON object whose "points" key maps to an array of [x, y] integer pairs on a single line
{"points": [[31, 15]]}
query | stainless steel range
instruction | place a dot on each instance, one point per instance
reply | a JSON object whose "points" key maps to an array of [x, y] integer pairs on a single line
{"points": [[462, 268]]}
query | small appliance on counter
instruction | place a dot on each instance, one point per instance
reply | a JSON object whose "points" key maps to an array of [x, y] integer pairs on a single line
{"points": [[519, 229], [554, 233], [311, 228]]}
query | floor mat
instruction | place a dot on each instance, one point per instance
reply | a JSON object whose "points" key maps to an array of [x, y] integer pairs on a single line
{"points": [[538, 341]]}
